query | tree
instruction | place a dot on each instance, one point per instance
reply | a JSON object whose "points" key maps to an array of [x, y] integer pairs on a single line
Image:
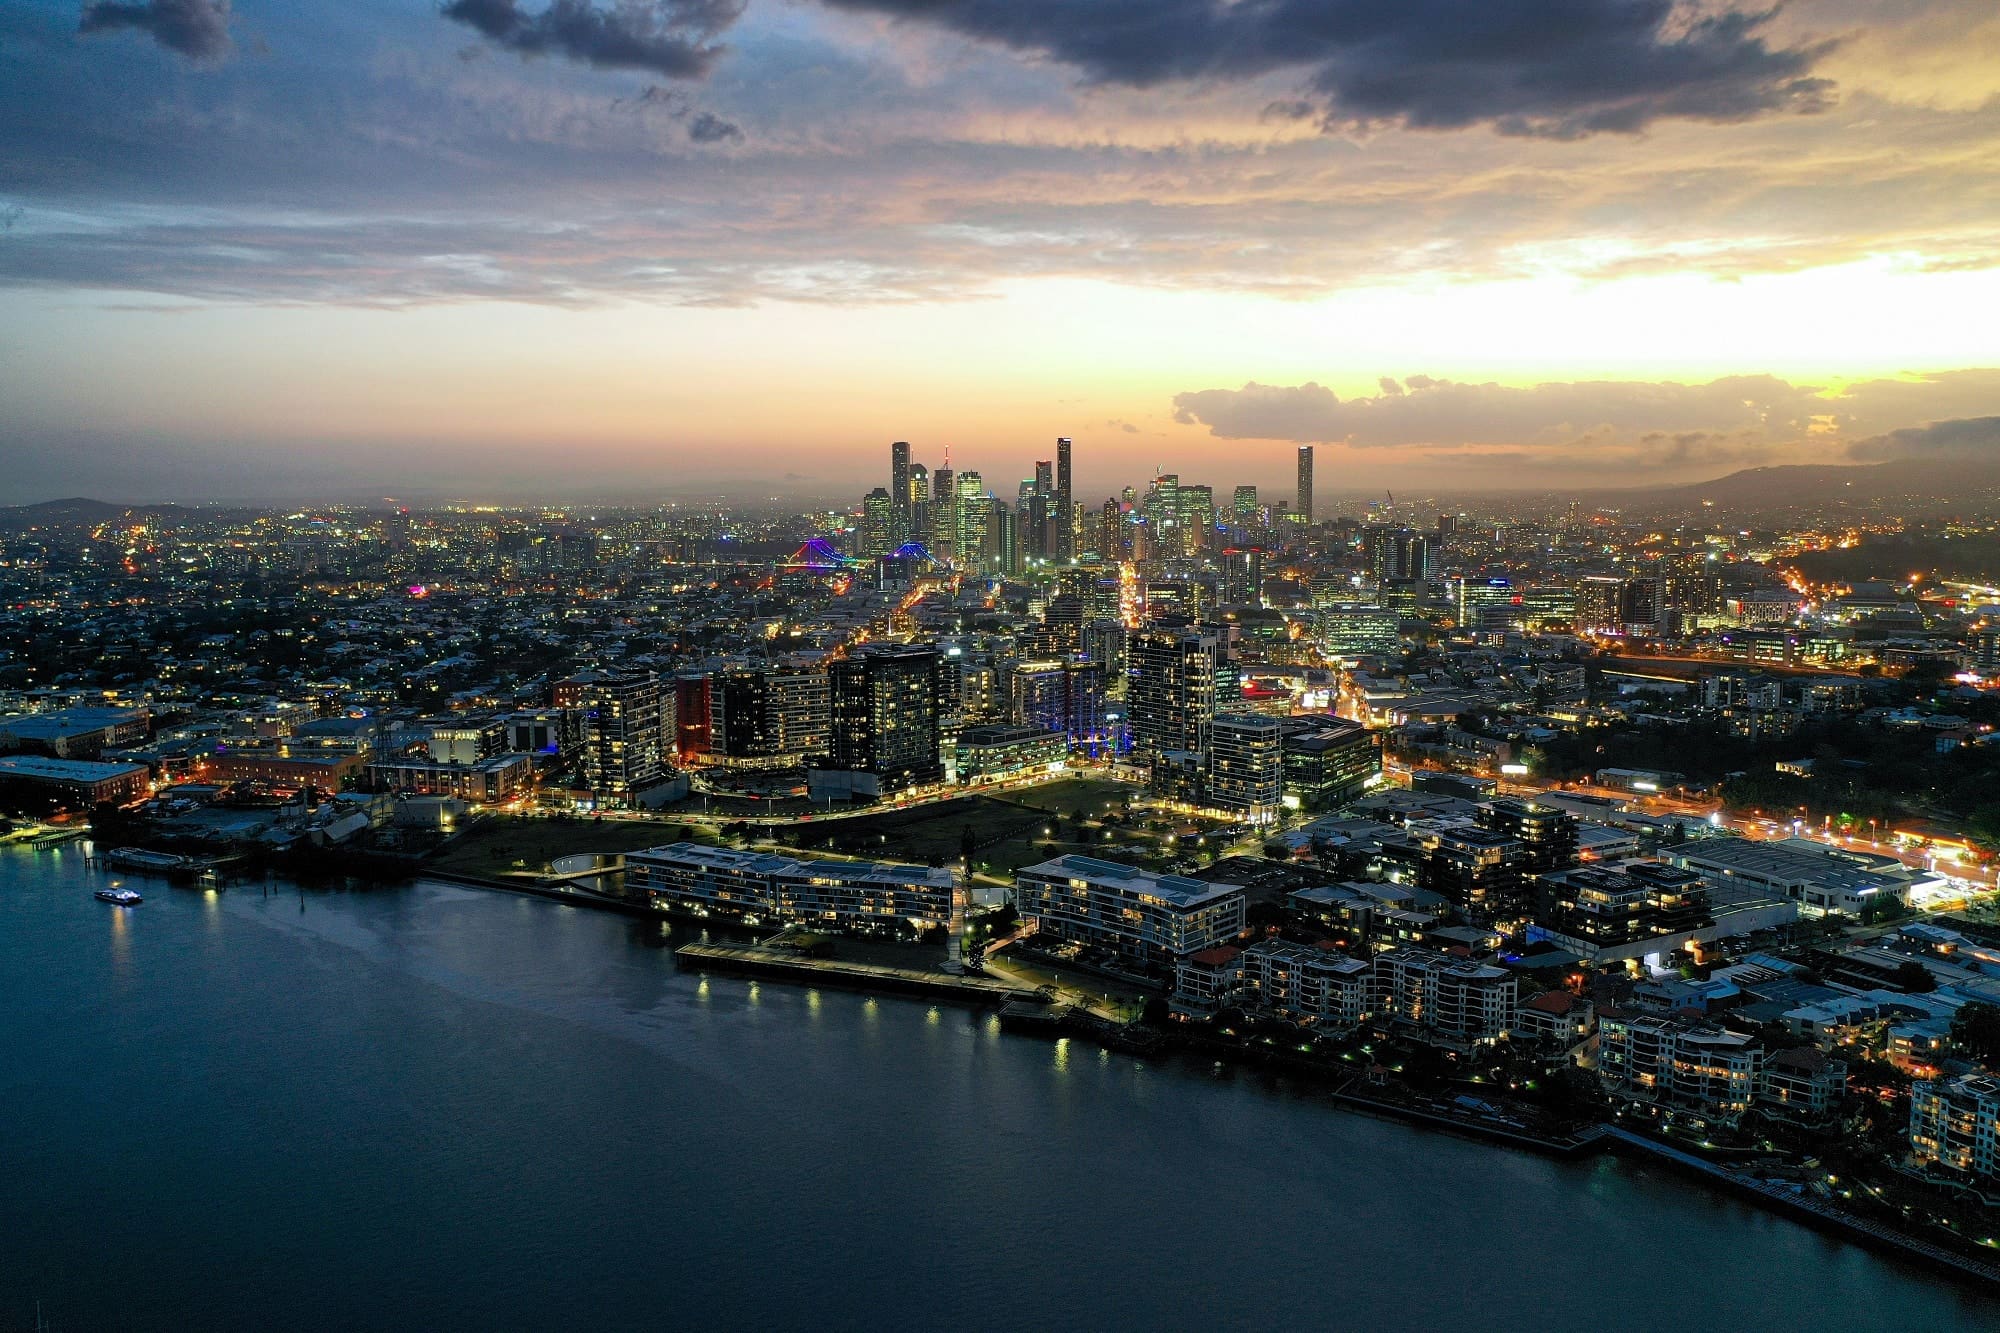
{"points": [[1914, 978], [968, 842], [1975, 1030]]}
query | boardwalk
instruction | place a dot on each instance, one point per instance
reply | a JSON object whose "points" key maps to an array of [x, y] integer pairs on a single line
{"points": [[1813, 1209], [788, 966]]}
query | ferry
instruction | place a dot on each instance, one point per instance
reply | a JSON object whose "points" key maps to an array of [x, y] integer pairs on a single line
{"points": [[120, 897], [138, 858]]}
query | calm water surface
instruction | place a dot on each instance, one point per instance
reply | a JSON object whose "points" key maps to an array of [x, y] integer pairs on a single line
{"points": [[440, 1108]]}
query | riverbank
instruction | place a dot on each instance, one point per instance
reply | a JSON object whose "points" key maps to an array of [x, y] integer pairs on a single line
{"points": [[1805, 1208]]}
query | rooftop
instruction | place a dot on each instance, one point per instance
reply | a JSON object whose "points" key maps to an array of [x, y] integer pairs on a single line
{"points": [[67, 770], [1175, 889]]}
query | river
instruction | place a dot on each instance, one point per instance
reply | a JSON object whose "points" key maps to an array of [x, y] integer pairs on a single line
{"points": [[442, 1108]]}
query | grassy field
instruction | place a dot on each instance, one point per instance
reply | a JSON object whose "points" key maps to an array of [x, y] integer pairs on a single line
{"points": [[1011, 831], [501, 844], [1091, 796], [921, 834]]}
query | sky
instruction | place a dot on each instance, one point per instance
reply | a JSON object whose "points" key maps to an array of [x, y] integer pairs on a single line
{"points": [[582, 249]]}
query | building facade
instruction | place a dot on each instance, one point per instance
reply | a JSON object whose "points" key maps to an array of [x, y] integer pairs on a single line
{"points": [[1149, 919], [887, 710], [1955, 1122], [854, 897]]}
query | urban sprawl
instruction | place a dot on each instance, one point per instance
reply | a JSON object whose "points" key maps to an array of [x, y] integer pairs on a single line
{"points": [[1539, 818]]}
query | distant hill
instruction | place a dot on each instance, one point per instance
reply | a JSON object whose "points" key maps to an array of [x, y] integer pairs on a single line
{"points": [[1945, 482], [78, 511]]}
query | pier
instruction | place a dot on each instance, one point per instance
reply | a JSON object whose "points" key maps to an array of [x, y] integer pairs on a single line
{"points": [[785, 965]]}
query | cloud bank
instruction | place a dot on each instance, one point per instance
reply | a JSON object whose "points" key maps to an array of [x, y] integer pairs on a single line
{"points": [[1962, 440], [1601, 423], [671, 38], [1551, 68], [197, 29]]}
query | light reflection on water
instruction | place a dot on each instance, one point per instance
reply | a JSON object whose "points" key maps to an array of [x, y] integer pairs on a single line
{"points": [[344, 1092]]}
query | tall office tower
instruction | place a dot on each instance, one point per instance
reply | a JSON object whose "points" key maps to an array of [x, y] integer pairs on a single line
{"points": [[887, 707], [919, 523], [944, 514], [1304, 510], [1245, 506], [1045, 478], [1007, 547], [1129, 497], [1170, 700], [1036, 525], [1163, 509], [974, 511], [1065, 506], [878, 523], [1447, 525], [1111, 532], [899, 492], [1197, 517], [629, 731]]}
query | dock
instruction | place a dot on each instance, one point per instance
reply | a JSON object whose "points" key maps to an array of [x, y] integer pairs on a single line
{"points": [[785, 965]]}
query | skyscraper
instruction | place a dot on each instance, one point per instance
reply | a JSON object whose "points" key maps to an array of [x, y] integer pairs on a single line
{"points": [[879, 523], [1065, 506], [887, 706], [899, 491], [919, 520], [1171, 698], [1245, 506], [975, 510], [944, 514], [1305, 505]]}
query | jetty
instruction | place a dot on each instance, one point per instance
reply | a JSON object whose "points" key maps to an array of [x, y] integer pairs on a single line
{"points": [[788, 965]]}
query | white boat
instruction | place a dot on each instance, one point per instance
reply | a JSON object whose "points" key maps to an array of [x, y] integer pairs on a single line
{"points": [[120, 897]]}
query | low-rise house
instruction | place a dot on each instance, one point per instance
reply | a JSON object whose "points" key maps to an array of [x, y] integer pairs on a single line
{"points": [[1554, 1020]]}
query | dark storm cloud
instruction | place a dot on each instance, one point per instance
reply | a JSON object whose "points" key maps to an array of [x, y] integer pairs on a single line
{"points": [[1965, 439], [1554, 68], [707, 127], [197, 29], [672, 38]]}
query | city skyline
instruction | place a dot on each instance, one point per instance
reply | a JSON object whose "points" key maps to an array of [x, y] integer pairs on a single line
{"points": [[521, 250]]}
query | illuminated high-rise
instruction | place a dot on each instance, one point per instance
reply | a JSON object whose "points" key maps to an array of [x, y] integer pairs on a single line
{"points": [[899, 490], [1304, 508], [1245, 506], [1065, 505]]}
